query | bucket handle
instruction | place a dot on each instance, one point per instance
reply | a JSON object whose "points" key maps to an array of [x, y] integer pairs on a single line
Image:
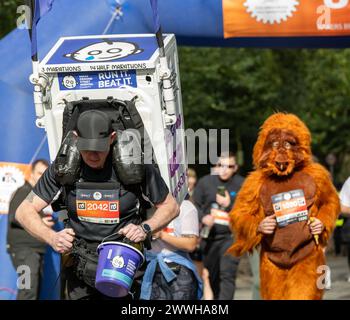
{"points": [[111, 235], [119, 236], [146, 242]]}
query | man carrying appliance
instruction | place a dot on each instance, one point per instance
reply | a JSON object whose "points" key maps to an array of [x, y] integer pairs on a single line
{"points": [[100, 207]]}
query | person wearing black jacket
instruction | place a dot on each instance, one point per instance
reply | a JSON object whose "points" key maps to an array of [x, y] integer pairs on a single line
{"points": [[24, 249], [214, 196]]}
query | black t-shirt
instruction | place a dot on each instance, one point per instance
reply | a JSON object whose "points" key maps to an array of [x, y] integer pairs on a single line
{"points": [[17, 237], [152, 190], [204, 197]]}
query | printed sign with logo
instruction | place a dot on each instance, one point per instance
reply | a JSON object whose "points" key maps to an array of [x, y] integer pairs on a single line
{"points": [[285, 18], [289, 207], [101, 53], [12, 176], [98, 206], [97, 80], [111, 48]]}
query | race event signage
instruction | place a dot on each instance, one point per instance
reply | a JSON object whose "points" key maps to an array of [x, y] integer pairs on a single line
{"points": [[283, 18]]}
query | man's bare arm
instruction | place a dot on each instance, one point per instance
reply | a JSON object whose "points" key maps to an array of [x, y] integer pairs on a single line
{"points": [[27, 214], [166, 211], [187, 242]]}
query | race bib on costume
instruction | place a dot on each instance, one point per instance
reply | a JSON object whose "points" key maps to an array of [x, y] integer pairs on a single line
{"points": [[98, 206], [289, 207]]}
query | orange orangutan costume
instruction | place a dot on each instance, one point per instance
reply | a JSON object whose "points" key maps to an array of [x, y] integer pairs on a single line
{"points": [[290, 256]]}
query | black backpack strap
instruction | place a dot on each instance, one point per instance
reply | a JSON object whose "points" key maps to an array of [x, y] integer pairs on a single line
{"points": [[70, 117], [61, 203], [135, 117]]}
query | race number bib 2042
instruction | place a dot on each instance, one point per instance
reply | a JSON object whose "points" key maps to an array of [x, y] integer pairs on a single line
{"points": [[289, 207], [98, 206]]}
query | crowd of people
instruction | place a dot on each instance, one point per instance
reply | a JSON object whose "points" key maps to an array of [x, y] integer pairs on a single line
{"points": [[187, 257]]}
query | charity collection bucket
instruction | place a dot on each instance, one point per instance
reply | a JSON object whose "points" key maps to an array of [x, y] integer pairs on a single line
{"points": [[118, 263]]}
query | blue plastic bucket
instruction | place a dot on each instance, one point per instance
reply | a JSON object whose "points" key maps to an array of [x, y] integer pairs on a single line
{"points": [[118, 263]]}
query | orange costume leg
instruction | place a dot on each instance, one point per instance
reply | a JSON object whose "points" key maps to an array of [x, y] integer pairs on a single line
{"points": [[298, 283], [272, 279], [303, 279]]}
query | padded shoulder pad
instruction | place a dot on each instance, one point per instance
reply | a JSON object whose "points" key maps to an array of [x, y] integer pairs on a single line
{"points": [[68, 160], [127, 157]]}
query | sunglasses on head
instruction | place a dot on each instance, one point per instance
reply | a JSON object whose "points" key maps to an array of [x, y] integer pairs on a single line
{"points": [[225, 166]]}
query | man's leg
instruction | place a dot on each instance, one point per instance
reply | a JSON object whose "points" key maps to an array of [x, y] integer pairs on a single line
{"points": [[228, 272], [337, 240], [77, 289], [254, 261], [27, 260], [211, 261], [348, 252]]}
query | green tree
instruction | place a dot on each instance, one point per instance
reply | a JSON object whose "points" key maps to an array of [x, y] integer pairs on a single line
{"points": [[8, 15], [239, 88]]}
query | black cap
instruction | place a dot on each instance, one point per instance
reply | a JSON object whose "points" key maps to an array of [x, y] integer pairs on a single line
{"points": [[93, 128]]}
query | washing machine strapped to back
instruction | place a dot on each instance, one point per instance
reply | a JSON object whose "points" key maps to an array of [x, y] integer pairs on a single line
{"points": [[126, 68]]}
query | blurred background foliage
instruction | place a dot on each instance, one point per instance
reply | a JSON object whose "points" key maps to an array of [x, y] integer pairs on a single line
{"points": [[8, 15], [238, 89]]}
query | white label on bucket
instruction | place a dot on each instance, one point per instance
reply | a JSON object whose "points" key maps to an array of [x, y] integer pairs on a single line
{"points": [[118, 262], [109, 254]]}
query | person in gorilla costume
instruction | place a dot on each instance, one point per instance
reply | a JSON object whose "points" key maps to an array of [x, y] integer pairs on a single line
{"points": [[291, 255]]}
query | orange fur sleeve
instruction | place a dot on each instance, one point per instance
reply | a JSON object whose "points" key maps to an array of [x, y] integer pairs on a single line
{"points": [[246, 216], [327, 201]]}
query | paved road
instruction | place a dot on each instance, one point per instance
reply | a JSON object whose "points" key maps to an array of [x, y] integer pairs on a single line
{"points": [[340, 288]]}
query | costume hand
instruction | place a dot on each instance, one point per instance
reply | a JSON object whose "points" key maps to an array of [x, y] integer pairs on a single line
{"points": [[223, 201], [316, 227], [208, 220], [62, 241], [48, 221], [133, 232], [268, 225]]}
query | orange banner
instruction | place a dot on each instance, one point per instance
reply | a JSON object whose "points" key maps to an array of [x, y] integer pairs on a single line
{"points": [[285, 18], [12, 176]]}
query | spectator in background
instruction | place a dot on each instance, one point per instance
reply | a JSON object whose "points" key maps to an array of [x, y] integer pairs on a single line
{"points": [[196, 255], [214, 196], [192, 181], [345, 210], [170, 273], [254, 261], [22, 247]]}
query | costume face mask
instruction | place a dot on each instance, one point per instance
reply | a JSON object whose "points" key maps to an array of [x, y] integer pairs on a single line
{"points": [[283, 144], [281, 153]]}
